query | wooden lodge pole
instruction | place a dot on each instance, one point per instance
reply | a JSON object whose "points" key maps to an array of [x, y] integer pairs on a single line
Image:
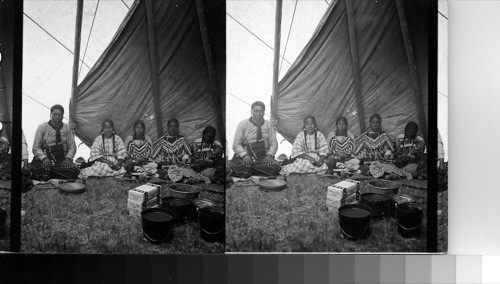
{"points": [[76, 61], [212, 74], [412, 66], [153, 59], [276, 63], [355, 64]]}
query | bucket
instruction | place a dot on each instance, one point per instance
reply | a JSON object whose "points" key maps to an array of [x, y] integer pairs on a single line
{"points": [[157, 224], [211, 222], [379, 204], [355, 220], [398, 199], [385, 187], [200, 203], [409, 216], [183, 208]]}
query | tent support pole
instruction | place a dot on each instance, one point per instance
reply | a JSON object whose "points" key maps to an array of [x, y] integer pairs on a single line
{"points": [[355, 65], [76, 58], [276, 63], [200, 8], [413, 66], [153, 59]]}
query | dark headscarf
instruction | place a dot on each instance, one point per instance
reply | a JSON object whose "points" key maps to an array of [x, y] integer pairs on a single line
{"points": [[208, 130], [411, 126], [375, 116]]}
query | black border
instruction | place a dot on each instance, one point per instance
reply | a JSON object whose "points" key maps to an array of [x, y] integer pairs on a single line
{"points": [[432, 129]]}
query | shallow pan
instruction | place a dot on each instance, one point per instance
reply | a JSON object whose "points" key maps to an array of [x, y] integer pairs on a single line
{"points": [[270, 185], [72, 188]]}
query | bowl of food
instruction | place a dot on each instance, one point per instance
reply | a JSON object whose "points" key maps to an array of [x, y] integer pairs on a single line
{"points": [[385, 187], [185, 191]]}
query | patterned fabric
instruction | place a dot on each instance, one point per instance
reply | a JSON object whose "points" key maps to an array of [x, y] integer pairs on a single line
{"points": [[105, 150], [45, 136], [138, 149], [310, 146], [406, 146], [203, 151], [374, 147], [341, 145], [170, 152], [246, 133]]}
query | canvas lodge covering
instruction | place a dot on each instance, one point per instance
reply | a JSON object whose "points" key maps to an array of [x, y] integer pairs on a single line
{"points": [[162, 45], [321, 82]]}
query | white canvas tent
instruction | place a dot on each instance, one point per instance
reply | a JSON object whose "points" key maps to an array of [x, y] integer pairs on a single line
{"points": [[165, 59], [48, 44], [250, 60]]}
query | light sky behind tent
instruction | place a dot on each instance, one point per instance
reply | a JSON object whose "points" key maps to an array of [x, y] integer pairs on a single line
{"points": [[48, 44], [250, 39]]}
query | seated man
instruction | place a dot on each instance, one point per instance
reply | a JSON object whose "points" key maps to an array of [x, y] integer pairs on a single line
{"points": [[255, 145], [54, 148]]}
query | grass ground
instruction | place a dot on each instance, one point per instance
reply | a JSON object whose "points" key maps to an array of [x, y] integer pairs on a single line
{"points": [[97, 221], [297, 220]]}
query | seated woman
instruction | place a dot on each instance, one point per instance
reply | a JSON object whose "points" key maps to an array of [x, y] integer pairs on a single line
{"points": [[254, 146], [53, 149], [410, 149], [106, 154], [208, 155], [374, 144], [340, 142], [138, 147], [309, 151], [171, 148]]}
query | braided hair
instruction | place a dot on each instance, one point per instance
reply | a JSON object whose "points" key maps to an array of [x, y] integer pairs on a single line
{"points": [[315, 131], [102, 134]]}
